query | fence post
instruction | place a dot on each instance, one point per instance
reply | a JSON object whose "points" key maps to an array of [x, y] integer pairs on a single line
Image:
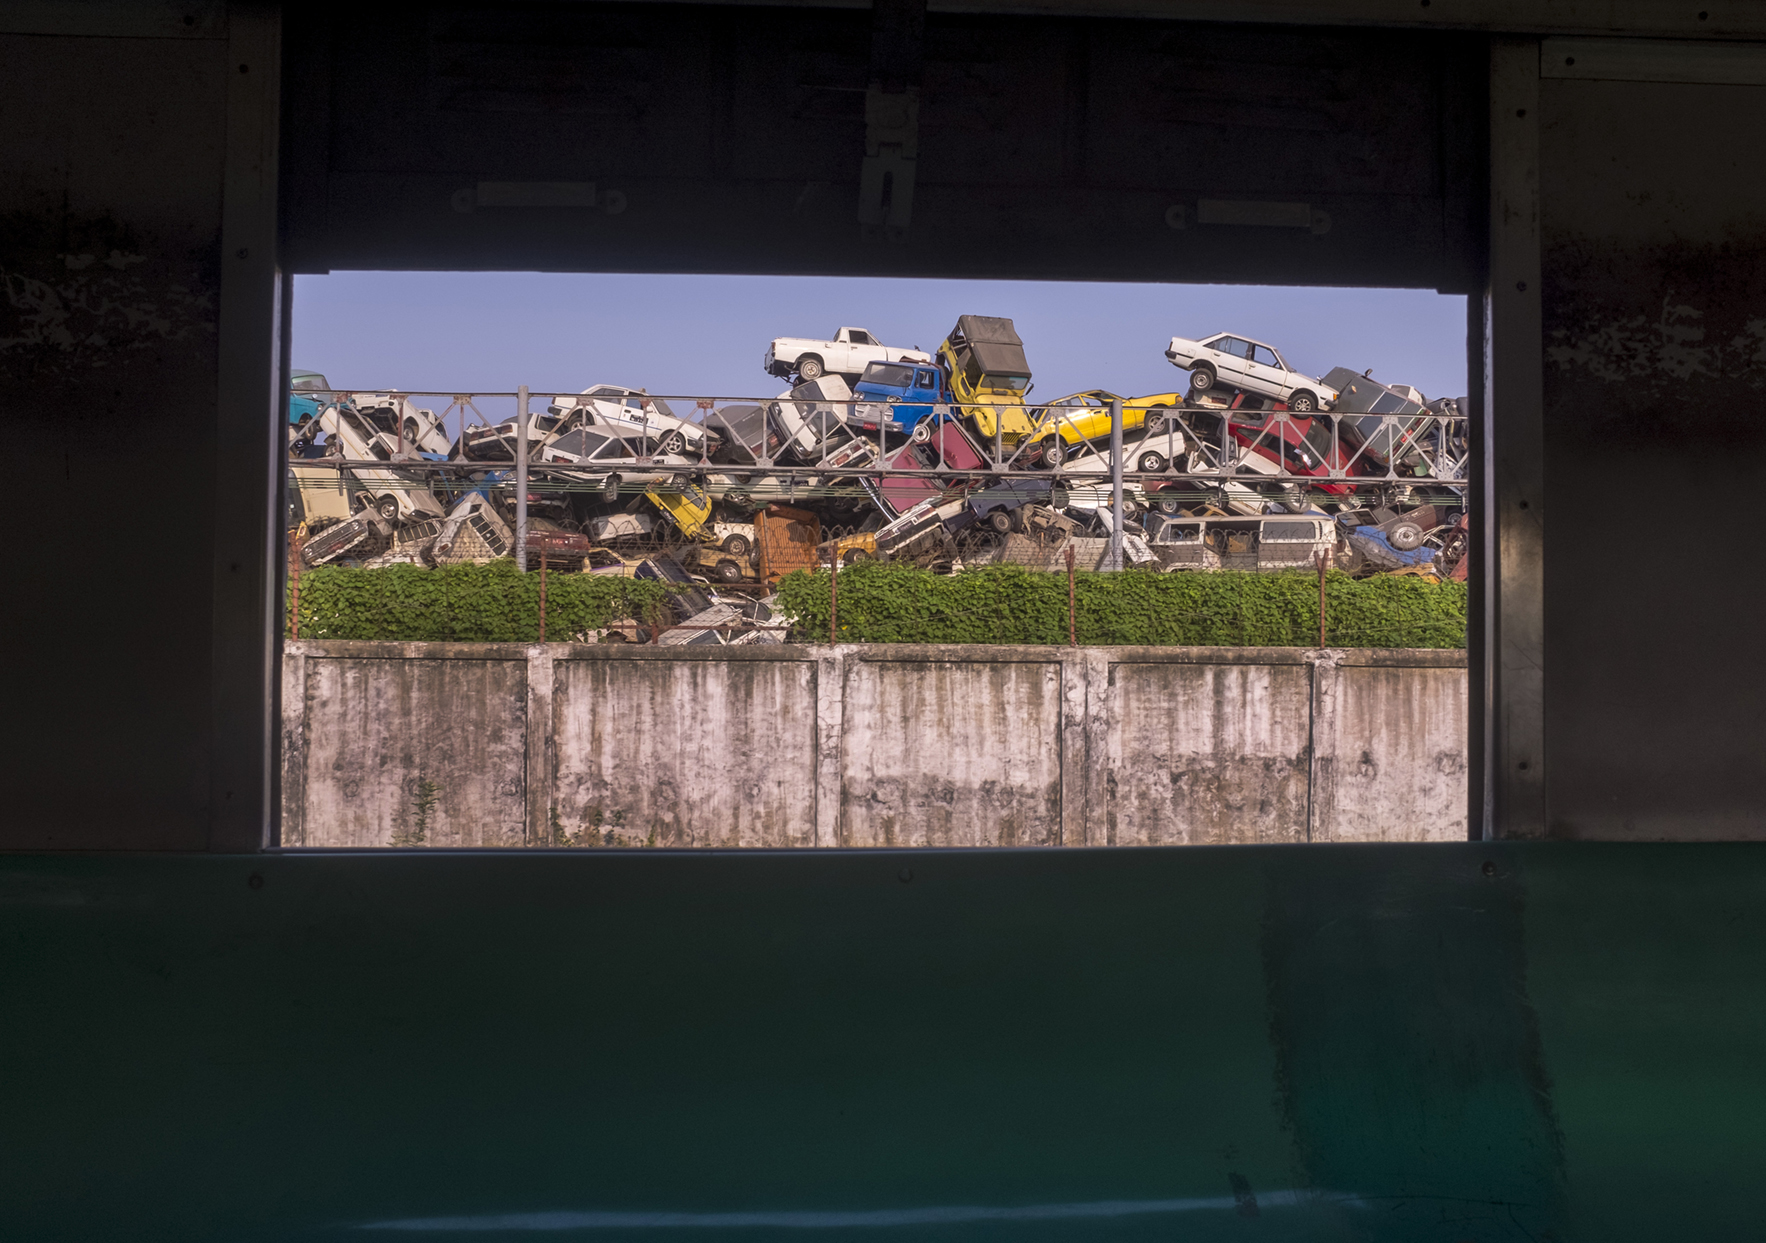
{"points": [[521, 421], [294, 547], [543, 543], [1322, 563], [1072, 625], [834, 593]]}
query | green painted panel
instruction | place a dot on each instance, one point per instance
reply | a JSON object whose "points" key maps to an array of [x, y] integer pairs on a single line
{"points": [[1204, 1043]]}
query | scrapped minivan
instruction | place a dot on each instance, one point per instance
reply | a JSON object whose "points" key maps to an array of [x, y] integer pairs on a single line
{"points": [[1284, 542]]}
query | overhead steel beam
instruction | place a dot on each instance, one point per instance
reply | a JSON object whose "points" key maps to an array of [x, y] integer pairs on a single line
{"points": [[1707, 19]]}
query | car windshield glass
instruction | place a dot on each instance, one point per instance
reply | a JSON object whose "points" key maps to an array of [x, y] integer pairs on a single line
{"points": [[1011, 383], [605, 390], [310, 382], [888, 375]]}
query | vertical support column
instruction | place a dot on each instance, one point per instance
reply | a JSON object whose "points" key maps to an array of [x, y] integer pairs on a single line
{"points": [[294, 744], [250, 395], [1116, 516], [1097, 785], [830, 695], [540, 681], [1322, 744], [1075, 680], [1514, 455]]}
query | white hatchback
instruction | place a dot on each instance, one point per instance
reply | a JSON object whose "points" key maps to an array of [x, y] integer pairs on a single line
{"points": [[1241, 363]]}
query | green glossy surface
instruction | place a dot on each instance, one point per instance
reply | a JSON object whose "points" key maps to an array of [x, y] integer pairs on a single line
{"points": [[1371, 1042]]}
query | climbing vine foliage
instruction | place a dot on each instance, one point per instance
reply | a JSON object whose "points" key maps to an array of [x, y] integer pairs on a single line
{"points": [[883, 603]]}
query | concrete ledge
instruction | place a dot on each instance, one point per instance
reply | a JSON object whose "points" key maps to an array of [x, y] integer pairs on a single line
{"points": [[877, 745]]}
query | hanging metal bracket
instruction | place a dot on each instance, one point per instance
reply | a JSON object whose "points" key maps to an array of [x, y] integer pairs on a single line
{"points": [[892, 119]]}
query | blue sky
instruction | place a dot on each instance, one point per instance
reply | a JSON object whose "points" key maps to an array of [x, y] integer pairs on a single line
{"points": [[704, 335]]}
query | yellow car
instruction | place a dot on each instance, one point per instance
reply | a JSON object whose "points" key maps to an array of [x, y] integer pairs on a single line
{"points": [[1083, 419], [686, 505], [983, 362]]}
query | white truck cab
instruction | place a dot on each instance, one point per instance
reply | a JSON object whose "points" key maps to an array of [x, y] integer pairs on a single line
{"points": [[848, 353]]}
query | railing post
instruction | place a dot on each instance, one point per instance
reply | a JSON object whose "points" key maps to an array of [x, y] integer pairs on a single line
{"points": [[521, 421], [1116, 515]]}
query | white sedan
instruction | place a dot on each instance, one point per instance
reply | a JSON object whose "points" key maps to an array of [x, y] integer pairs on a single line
{"points": [[632, 411], [605, 459], [1255, 367]]}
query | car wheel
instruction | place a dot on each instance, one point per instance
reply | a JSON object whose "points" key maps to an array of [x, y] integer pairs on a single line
{"points": [[1202, 378], [1301, 402], [671, 442], [1167, 505], [736, 545], [1000, 520], [809, 368], [727, 572], [388, 508], [1150, 462], [1155, 423], [922, 433], [610, 489], [1405, 536], [1054, 451], [853, 556]]}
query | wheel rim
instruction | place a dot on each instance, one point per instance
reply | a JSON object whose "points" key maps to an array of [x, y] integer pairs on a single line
{"points": [[1152, 462], [1201, 380], [1301, 404], [1055, 452]]}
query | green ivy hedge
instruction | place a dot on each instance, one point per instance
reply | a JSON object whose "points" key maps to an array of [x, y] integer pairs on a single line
{"points": [[492, 603], [884, 603]]}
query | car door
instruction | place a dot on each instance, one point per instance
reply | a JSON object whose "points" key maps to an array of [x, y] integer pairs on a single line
{"points": [[1228, 356], [1264, 372]]}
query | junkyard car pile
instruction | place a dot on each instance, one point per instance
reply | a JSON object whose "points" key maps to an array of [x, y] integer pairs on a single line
{"points": [[879, 452]]}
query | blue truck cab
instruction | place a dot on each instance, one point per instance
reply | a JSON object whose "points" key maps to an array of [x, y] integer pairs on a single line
{"points": [[898, 395]]}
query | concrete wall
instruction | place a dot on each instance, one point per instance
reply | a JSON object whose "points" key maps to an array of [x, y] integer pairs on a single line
{"points": [[869, 746]]}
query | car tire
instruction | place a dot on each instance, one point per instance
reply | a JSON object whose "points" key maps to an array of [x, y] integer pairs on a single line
{"points": [[1150, 462], [1405, 536], [809, 368], [1202, 379], [1054, 452], [388, 507], [852, 556], [727, 571], [1000, 520], [610, 489], [1302, 402], [1155, 421], [736, 545], [671, 442], [1167, 505], [922, 433]]}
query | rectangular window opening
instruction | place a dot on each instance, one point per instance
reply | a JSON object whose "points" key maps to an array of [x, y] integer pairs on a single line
{"points": [[638, 562]]}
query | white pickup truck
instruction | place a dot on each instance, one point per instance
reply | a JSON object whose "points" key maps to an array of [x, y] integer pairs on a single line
{"points": [[848, 354]]}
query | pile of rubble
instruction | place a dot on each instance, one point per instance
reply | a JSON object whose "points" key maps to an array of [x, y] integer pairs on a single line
{"points": [[878, 452]]}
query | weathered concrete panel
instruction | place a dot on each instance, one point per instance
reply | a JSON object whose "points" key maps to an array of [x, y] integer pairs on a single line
{"points": [[1205, 753], [1392, 760], [951, 753], [377, 729], [685, 752], [570, 745]]}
